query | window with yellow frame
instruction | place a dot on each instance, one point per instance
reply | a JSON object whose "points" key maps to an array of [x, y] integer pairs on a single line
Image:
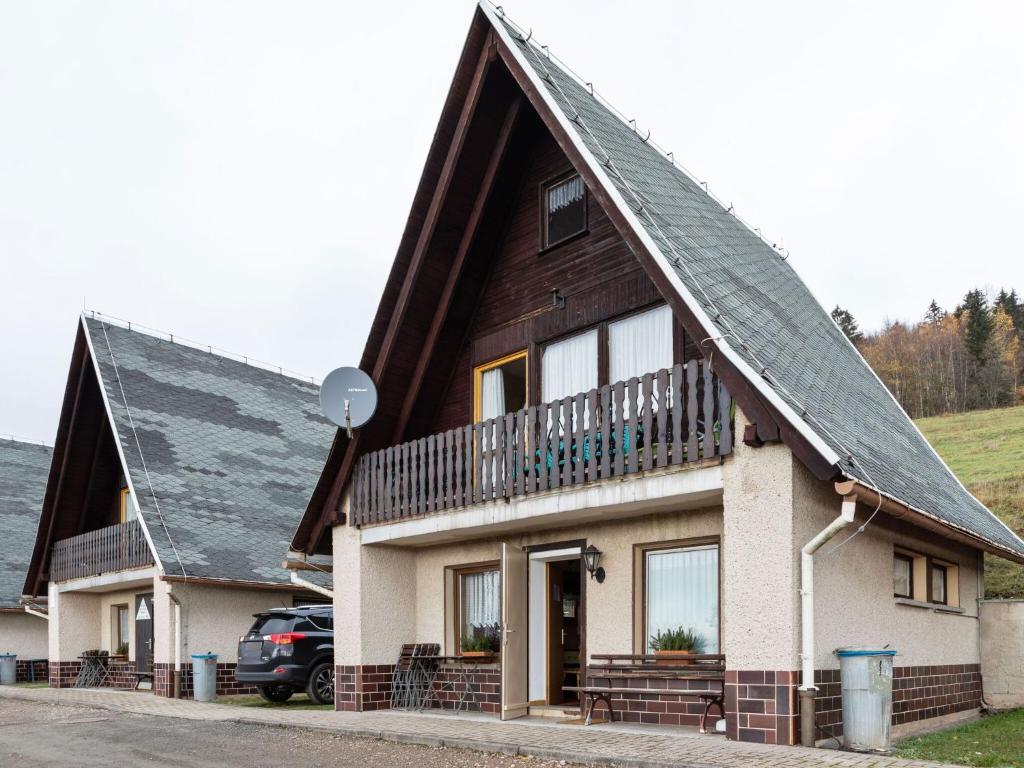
{"points": [[127, 509], [499, 387]]}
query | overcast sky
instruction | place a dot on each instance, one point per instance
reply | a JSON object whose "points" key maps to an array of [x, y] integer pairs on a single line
{"points": [[240, 173]]}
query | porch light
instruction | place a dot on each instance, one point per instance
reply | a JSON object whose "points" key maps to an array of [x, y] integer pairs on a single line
{"points": [[592, 559]]}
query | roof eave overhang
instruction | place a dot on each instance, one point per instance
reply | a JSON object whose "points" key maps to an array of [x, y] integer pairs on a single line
{"points": [[896, 508]]}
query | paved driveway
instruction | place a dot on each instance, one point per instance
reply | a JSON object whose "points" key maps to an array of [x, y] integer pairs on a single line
{"points": [[605, 745]]}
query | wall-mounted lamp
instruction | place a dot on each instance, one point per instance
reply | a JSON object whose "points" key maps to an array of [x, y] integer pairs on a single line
{"points": [[557, 299], [592, 560]]}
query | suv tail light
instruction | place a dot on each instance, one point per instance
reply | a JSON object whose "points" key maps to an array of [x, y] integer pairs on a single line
{"points": [[285, 638]]}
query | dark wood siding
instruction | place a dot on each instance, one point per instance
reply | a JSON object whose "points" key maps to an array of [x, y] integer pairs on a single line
{"points": [[597, 274]]}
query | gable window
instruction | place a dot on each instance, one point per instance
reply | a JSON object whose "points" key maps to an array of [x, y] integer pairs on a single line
{"points": [[564, 210], [903, 576], [939, 584], [499, 387], [680, 589], [478, 609]]}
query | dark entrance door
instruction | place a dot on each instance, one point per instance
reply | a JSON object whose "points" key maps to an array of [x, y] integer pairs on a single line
{"points": [[144, 633]]}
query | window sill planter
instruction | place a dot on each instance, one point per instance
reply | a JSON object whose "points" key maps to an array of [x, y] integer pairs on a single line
{"points": [[476, 654], [675, 658]]}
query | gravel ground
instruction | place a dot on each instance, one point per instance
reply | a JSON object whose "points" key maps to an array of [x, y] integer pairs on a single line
{"points": [[35, 734]]}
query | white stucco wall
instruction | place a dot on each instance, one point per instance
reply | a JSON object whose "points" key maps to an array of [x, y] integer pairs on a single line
{"points": [[24, 635], [213, 618], [854, 603], [1002, 652], [74, 624]]}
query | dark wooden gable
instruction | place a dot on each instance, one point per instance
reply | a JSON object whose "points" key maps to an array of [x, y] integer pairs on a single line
{"points": [[86, 475]]}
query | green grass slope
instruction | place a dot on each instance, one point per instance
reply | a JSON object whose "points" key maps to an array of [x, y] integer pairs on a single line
{"points": [[986, 451]]}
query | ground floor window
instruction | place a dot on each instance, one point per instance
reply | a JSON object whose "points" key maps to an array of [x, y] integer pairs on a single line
{"points": [[478, 611], [680, 595], [903, 575], [939, 579], [120, 627], [924, 578]]}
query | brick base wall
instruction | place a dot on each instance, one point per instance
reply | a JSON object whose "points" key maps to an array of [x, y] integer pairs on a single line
{"points": [[764, 705], [163, 681], [63, 673], [23, 667], [484, 683], [362, 688], [658, 709]]}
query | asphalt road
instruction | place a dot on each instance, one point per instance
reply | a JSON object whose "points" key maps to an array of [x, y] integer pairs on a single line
{"points": [[33, 734]]}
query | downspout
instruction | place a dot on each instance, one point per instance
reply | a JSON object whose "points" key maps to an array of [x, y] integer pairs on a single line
{"points": [[301, 582], [177, 642], [808, 689]]}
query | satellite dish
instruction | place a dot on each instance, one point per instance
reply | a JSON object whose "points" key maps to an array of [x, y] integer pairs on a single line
{"points": [[348, 398]]}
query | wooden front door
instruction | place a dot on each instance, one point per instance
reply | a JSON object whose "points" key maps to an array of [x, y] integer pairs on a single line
{"points": [[144, 633], [515, 699]]}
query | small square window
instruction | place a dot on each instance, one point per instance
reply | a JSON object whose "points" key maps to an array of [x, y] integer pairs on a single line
{"points": [[939, 584], [903, 576], [565, 210]]}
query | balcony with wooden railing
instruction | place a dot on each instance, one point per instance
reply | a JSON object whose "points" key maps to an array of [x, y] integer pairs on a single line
{"points": [[673, 417], [114, 548]]}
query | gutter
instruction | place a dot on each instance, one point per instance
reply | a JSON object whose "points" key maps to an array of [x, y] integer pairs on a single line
{"points": [[901, 510], [301, 582], [36, 612], [808, 690]]}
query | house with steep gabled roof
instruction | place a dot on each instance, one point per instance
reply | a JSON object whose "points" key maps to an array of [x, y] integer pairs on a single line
{"points": [[23, 630], [613, 419], [178, 476]]}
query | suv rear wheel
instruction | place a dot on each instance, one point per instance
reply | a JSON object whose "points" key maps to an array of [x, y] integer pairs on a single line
{"points": [[275, 693], [320, 687]]}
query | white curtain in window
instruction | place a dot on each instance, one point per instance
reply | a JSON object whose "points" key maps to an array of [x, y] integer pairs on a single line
{"points": [[569, 366], [492, 394], [566, 193], [481, 600], [640, 344], [682, 591]]}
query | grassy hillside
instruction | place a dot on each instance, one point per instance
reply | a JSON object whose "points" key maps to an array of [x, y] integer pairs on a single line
{"points": [[986, 451]]}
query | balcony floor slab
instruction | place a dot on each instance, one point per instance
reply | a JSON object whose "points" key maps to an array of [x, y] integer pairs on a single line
{"points": [[110, 582]]}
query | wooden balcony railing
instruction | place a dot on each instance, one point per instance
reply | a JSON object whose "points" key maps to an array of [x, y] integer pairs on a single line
{"points": [[113, 548], [660, 419]]}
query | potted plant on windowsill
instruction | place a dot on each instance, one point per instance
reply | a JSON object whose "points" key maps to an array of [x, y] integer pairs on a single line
{"points": [[674, 646], [484, 641]]}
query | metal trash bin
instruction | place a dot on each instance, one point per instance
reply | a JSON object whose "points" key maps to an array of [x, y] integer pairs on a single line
{"points": [[867, 697], [204, 676], [8, 668]]}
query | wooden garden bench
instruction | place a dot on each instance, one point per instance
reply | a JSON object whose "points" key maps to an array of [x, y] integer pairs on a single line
{"points": [[617, 671]]}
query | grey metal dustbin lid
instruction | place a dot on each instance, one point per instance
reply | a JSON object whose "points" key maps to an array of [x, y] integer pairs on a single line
{"points": [[847, 652]]}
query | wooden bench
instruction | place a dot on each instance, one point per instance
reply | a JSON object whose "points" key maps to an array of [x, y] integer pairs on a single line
{"points": [[618, 670], [140, 676]]}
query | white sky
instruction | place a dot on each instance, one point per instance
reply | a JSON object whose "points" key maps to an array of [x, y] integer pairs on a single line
{"points": [[240, 173]]}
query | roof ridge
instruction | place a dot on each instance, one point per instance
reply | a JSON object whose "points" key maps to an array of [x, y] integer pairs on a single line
{"points": [[235, 357]]}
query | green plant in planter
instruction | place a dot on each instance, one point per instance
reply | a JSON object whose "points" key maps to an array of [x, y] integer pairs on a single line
{"points": [[122, 650], [484, 639], [678, 639]]}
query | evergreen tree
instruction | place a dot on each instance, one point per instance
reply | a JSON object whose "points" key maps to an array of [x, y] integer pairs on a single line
{"points": [[978, 324], [847, 324], [935, 314], [1011, 304]]}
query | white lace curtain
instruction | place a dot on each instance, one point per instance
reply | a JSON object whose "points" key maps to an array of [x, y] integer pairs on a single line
{"points": [[682, 591], [481, 600], [569, 366], [640, 344], [566, 193], [492, 394]]}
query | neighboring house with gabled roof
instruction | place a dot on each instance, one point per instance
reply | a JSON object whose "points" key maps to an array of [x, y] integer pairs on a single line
{"points": [[178, 476], [23, 469], [579, 349]]}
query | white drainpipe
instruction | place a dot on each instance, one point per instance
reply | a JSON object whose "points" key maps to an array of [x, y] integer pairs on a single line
{"points": [[807, 686], [34, 612], [177, 642]]}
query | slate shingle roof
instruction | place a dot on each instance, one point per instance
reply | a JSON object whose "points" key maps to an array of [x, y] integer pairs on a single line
{"points": [[732, 274], [23, 471], [229, 452]]}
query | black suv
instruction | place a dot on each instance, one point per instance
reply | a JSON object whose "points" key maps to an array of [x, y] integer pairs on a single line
{"points": [[289, 650]]}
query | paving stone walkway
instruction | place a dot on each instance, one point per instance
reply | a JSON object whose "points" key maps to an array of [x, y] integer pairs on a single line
{"points": [[620, 745]]}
